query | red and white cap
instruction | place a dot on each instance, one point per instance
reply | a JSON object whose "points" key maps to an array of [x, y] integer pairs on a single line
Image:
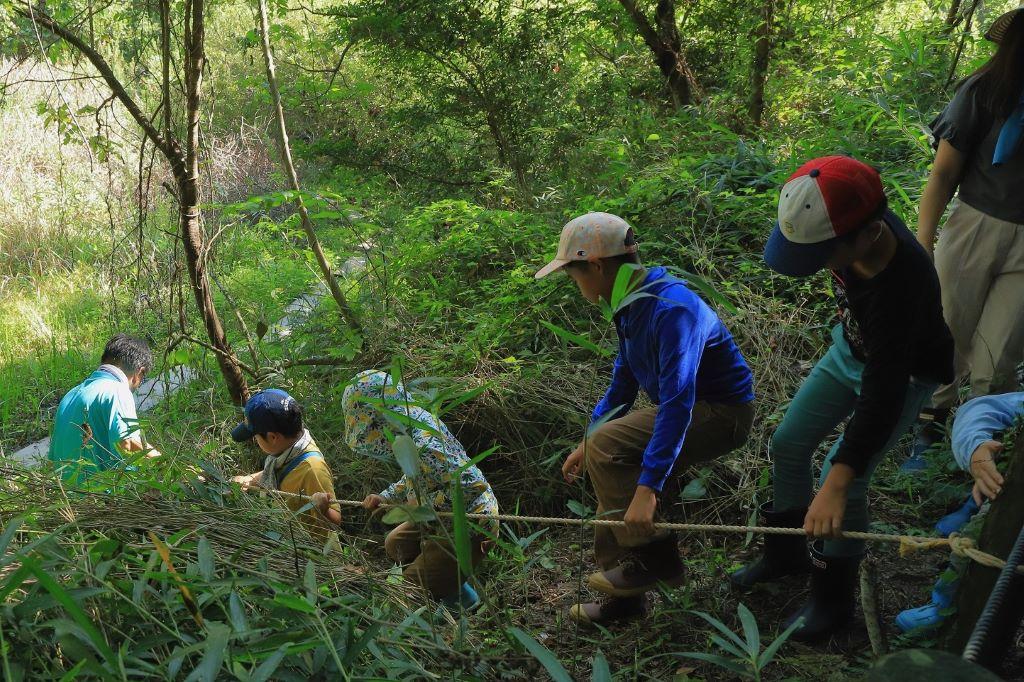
{"points": [[823, 200]]}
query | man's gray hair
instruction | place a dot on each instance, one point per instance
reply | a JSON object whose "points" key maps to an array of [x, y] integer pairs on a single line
{"points": [[129, 353]]}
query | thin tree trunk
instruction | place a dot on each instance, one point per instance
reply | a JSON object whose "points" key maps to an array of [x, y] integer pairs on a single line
{"points": [[762, 53], [952, 16], [666, 45], [184, 164], [293, 177], [187, 178], [968, 18]]}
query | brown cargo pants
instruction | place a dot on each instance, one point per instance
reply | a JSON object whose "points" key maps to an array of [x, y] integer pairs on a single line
{"points": [[614, 455], [431, 560]]}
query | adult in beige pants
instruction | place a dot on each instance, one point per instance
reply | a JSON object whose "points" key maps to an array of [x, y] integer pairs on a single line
{"points": [[980, 253], [980, 261]]}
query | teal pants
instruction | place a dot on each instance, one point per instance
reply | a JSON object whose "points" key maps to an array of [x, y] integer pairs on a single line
{"points": [[826, 398]]}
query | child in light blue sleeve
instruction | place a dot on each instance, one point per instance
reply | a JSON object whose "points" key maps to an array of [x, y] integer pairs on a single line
{"points": [[976, 429]]}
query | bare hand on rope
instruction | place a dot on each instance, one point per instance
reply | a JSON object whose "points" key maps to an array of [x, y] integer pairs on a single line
{"points": [[573, 465], [825, 516], [247, 481], [988, 482], [640, 515]]}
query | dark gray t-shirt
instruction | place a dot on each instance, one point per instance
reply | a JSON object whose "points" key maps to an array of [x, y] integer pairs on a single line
{"points": [[973, 131]]}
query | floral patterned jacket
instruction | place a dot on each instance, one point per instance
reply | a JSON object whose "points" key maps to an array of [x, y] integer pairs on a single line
{"points": [[441, 454]]}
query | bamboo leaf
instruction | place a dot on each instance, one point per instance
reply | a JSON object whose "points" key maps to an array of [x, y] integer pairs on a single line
{"points": [[721, 627], [165, 554], [543, 654], [731, 648], [309, 580], [9, 530], [269, 665], [750, 630], [705, 287], [73, 609], [580, 341], [73, 673], [769, 653], [720, 661], [293, 602], [236, 610], [205, 556], [460, 528], [407, 455], [479, 458], [464, 398], [213, 654], [408, 512], [601, 672], [364, 641], [623, 284]]}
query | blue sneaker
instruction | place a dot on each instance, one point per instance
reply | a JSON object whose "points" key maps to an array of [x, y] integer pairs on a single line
{"points": [[914, 464], [929, 430], [955, 520], [467, 599], [931, 615]]}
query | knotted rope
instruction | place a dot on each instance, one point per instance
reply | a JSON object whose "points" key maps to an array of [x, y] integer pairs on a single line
{"points": [[958, 544]]}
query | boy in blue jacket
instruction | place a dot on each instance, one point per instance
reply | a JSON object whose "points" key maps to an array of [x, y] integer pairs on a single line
{"points": [[674, 346]]}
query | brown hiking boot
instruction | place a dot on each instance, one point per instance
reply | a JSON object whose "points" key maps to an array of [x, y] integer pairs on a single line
{"points": [[641, 570], [609, 610]]}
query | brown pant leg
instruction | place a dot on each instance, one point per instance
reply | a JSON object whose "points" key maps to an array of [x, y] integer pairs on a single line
{"points": [[437, 569], [614, 460], [613, 455], [403, 543]]}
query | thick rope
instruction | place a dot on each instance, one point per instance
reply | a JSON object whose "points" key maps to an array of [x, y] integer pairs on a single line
{"points": [[958, 544]]}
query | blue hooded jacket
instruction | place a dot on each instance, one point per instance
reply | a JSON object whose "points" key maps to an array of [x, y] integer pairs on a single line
{"points": [[674, 346]]}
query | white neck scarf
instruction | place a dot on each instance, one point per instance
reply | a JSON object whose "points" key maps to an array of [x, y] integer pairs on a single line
{"points": [[275, 463]]}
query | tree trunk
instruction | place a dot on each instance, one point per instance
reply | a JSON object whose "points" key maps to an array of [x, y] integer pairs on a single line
{"points": [[187, 178], [952, 16], [998, 534], [293, 177], [667, 47], [184, 164], [762, 52]]}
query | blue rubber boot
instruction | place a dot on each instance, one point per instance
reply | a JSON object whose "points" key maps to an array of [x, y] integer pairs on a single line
{"points": [[467, 599], [930, 615], [954, 521]]}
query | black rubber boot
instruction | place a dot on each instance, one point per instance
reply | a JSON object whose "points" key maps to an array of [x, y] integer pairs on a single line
{"points": [[782, 555], [831, 605]]}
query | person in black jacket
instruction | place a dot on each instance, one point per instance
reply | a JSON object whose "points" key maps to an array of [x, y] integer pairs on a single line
{"points": [[889, 352]]}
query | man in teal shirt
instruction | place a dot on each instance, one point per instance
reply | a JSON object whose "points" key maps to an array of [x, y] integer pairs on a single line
{"points": [[96, 424]]}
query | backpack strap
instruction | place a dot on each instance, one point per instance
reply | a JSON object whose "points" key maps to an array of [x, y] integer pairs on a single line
{"points": [[294, 463]]}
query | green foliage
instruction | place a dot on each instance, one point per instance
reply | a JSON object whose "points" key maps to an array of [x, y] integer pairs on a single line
{"points": [[744, 656], [446, 142]]}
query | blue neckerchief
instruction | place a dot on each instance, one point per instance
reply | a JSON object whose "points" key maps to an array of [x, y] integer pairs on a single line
{"points": [[1010, 135]]}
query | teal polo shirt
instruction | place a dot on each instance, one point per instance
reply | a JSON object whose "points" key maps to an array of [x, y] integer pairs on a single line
{"points": [[91, 420]]}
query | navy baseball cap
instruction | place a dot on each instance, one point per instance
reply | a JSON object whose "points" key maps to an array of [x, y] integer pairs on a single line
{"points": [[266, 411]]}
